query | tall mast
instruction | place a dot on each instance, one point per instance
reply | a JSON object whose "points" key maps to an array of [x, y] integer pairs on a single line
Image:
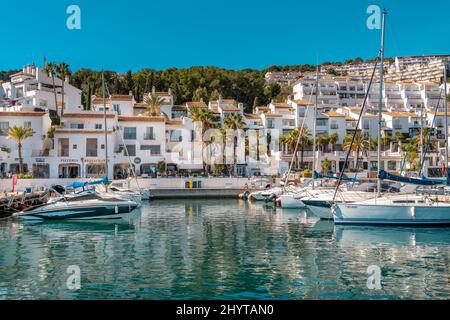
{"points": [[314, 125], [446, 119], [106, 129], [380, 104]]}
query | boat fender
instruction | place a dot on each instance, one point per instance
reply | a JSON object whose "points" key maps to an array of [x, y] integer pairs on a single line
{"points": [[245, 195], [116, 209]]}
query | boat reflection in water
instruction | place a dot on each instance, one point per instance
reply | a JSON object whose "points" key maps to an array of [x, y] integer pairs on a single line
{"points": [[401, 236]]}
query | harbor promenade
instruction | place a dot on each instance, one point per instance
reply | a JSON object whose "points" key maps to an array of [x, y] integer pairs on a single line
{"points": [[161, 188]]}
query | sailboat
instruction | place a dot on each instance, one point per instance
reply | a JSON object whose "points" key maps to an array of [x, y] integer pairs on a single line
{"points": [[292, 199], [404, 209]]}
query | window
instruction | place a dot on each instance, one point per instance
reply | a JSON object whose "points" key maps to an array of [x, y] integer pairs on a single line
{"points": [[149, 134], [131, 148], [41, 170], [91, 147], [27, 124], [366, 125], [102, 146], [95, 170], [116, 108], [98, 126], [19, 92], [75, 146], [334, 125], [270, 123], [321, 122], [63, 147], [175, 136], [392, 165], [154, 150], [4, 128], [129, 133], [76, 126]]}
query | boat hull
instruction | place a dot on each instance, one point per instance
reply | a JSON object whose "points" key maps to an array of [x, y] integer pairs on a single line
{"points": [[288, 201], [370, 214], [116, 211], [320, 208]]}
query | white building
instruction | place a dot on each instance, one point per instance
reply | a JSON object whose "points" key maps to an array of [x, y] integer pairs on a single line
{"points": [[32, 88]]}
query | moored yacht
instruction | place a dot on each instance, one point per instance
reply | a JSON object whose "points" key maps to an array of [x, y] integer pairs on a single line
{"points": [[393, 210], [86, 206]]}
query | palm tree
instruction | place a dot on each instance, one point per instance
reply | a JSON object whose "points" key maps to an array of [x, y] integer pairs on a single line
{"points": [[333, 138], [153, 102], [19, 133], [205, 118], [325, 165], [50, 69], [300, 136], [304, 142], [322, 142], [290, 140], [235, 122], [360, 145], [63, 72]]}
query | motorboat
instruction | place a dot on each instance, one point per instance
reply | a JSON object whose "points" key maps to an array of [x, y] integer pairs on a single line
{"points": [[264, 194], [118, 187], [87, 206]]}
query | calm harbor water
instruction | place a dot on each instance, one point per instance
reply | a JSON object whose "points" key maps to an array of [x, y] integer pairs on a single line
{"points": [[221, 249]]}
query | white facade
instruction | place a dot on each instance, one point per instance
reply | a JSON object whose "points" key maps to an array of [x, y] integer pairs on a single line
{"points": [[33, 88]]}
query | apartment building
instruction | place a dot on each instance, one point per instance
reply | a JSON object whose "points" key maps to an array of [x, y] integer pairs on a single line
{"points": [[32, 89]]}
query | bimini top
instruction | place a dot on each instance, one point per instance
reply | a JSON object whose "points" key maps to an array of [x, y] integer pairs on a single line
{"points": [[82, 184]]}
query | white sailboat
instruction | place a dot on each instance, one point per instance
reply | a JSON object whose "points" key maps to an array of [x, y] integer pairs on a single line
{"points": [[402, 209]]}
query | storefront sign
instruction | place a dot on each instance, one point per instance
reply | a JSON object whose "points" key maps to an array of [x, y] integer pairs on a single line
{"points": [[69, 160], [94, 161], [137, 160], [40, 160]]}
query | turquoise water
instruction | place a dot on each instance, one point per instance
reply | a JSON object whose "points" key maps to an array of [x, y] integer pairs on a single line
{"points": [[221, 249]]}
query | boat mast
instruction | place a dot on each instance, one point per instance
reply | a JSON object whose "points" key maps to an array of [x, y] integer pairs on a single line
{"points": [[380, 104], [314, 125], [106, 131], [446, 119]]}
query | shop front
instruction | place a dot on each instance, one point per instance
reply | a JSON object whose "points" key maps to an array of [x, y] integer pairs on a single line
{"points": [[123, 170], [41, 170], [68, 170], [95, 168], [149, 169]]}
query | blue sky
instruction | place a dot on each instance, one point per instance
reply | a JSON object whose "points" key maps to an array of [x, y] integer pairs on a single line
{"points": [[133, 34]]}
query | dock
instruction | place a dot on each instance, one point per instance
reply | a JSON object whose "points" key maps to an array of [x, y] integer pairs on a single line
{"points": [[15, 202], [194, 193]]}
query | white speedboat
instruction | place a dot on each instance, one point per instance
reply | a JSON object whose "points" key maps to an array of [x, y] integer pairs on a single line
{"points": [[118, 187], [264, 194], [294, 199], [88, 206], [393, 210]]}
